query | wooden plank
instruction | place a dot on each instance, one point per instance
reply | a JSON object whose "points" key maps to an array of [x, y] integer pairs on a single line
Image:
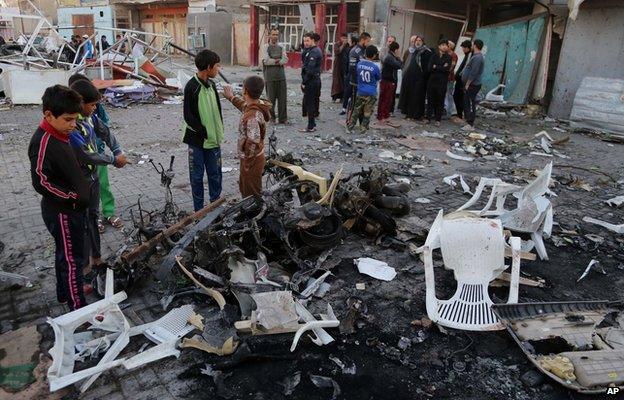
{"points": [[133, 255]]}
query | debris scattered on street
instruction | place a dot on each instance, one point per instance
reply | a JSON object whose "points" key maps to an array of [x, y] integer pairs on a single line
{"points": [[616, 201], [458, 157], [612, 227], [375, 268], [593, 265], [570, 342]]}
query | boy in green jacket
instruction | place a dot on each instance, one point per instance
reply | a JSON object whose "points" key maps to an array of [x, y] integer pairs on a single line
{"points": [[203, 128]]}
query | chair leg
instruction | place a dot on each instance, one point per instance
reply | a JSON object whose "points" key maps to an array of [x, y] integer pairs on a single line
{"points": [[430, 296], [516, 244], [539, 245], [475, 197]]}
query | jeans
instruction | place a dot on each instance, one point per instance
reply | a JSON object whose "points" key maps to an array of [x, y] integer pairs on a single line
{"points": [[458, 97], [201, 159], [470, 103], [449, 104]]}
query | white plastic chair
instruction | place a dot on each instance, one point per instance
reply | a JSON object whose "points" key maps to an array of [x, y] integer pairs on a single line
{"points": [[533, 213], [474, 248], [106, 316]]}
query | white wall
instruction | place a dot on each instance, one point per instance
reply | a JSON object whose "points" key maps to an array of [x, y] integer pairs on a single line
{"points": [[102, 18], [403, 26], [592, 46], [400, 25]]}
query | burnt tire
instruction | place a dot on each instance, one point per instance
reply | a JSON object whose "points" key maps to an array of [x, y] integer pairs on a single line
{"points": [[326, 234], [397, 205], [385, 220]]}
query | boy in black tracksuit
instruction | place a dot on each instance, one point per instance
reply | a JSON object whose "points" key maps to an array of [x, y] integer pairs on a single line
{"points": [[84, 142], [56, 175]]}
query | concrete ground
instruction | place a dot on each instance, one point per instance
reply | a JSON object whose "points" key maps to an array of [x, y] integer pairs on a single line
{"points": [[155, 130]]}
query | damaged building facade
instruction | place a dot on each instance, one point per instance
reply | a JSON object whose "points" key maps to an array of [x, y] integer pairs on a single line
{"points": [[405, 263], [540, 50], [533, 48]]}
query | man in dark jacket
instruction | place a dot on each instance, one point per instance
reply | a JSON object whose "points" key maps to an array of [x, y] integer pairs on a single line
{"points": [[439, 67], [56, 176], [346, 81], [340, 47], [471, 79], [203, 128], [458, 92], [312, 58], [356, 53]]}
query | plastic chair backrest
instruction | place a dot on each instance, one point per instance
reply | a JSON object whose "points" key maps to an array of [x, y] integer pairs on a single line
{"points": [[539, 186], [474, 248]]}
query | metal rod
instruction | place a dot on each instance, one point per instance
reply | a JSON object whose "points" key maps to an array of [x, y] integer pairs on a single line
{"points": [[108, 28], [101, 59], [193, 55], [451, 17]]}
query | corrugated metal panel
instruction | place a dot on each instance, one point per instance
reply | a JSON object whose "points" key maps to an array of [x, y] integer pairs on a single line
{"points": [[599, 104], [512, 51]]}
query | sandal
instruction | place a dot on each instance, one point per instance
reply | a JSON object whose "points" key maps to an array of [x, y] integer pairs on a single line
{"points": [[115, 222], [101, 227]]}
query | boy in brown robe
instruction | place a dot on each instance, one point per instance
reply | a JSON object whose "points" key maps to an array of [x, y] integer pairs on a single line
{"points": [[251, 133]]}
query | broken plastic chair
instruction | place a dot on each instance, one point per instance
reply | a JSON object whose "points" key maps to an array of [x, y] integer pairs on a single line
{"points": [[303, 175], [327, 320], [612, 227], [493, 96], [533, 213], [12, 278], [474, 248], [105, 315], [105, 312]]}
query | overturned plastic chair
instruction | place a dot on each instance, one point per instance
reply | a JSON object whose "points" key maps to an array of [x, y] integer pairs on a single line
{"points": [[106, 316], [533, 213], [474, 248]]}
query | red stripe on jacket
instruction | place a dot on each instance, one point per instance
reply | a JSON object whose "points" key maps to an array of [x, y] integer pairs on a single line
{"points": [[43, 179]]}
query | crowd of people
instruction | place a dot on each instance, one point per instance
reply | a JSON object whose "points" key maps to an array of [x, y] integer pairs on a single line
{"points": [[83, 46], [432, 84], [69, 163], [74, 129]]}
